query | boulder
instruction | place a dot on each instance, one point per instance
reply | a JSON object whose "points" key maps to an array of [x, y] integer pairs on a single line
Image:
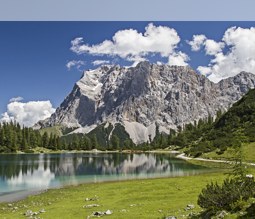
{"points": [[98, 213], [189, 207], [28, 213], [108, 212], [42, 211]]}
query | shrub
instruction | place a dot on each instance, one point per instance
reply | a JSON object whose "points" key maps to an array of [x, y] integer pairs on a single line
{"points": [[29, 151], [226, 197]]}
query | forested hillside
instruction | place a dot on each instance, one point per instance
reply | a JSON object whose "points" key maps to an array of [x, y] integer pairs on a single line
{"points": [[234, 127]]}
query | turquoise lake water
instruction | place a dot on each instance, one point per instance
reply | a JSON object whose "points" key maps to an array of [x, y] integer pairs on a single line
{"points": [[24, 173]]}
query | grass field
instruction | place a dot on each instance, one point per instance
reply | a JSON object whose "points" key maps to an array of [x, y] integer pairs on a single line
{"points": [[152, 198], [248, 150], [149, 198]]}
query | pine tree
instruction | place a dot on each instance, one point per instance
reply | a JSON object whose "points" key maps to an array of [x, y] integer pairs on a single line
{"points": [[58, 143], [24, 145], [75, 142], [86, 144], [45, 140], [33, 140], [2, 137], [115, 141], [94, 142]]}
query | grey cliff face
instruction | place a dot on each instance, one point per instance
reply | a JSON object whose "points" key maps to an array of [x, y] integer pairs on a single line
{"points": [[146, 96]]}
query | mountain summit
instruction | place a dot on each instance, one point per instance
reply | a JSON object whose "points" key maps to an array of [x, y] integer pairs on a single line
{"points": [[145, 98]]}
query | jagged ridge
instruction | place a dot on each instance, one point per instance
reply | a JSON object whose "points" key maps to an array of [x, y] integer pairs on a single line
{"points": [[144, 97]]}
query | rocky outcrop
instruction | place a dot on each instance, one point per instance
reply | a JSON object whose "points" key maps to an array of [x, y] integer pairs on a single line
{"points": [[144, 97]]}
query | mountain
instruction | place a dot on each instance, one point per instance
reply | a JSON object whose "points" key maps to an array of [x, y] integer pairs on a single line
{"points": [[145, 99]]}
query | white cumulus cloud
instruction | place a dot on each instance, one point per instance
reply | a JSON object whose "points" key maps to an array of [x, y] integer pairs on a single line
{"points": [[178, 58], [100, 62], [206, 71], [16, 99], [238, 54], [196, 42], [132, 45], [211, 47], [75, 63], [28, 113]]}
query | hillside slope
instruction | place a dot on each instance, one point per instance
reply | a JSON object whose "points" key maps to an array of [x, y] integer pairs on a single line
{"points": [[234, 127]]}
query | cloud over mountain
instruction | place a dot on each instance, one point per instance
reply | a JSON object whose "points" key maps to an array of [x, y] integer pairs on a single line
{"points": [[134, 46], [233, 54], [100, 62], [75, 64], [28, 113], [196, 42]]}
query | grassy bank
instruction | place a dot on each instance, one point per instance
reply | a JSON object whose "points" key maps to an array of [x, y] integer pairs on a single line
{"points": [[151, 198], [247, 149]]}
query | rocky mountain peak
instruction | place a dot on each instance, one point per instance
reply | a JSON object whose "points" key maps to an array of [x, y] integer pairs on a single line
{"points": [[144, 97]]}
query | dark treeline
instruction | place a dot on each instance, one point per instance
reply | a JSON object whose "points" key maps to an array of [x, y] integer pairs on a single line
{"points": [[90, 142], [14, 138]]}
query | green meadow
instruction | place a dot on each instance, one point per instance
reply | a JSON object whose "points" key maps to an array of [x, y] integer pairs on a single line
{"points": [[150, 198]]}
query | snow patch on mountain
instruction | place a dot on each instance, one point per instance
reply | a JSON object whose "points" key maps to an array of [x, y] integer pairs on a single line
{"points": [[90, 85]]}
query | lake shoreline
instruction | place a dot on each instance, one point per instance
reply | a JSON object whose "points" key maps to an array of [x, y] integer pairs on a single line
{"points": [[16, 197], [22, 193], [126, 199], [97, 151]]}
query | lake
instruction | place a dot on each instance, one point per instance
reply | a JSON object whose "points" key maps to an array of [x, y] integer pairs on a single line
{"points": [[24, 174]]}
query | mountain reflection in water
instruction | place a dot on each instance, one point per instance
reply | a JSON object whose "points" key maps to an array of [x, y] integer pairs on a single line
{"points": [[28, 171]]}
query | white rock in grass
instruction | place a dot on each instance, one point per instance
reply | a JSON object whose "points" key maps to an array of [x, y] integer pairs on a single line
{"points": [[108, 212]]}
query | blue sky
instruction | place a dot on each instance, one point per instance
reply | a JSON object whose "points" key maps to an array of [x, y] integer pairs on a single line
{"points": [[33, 55], [98, 10]]}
